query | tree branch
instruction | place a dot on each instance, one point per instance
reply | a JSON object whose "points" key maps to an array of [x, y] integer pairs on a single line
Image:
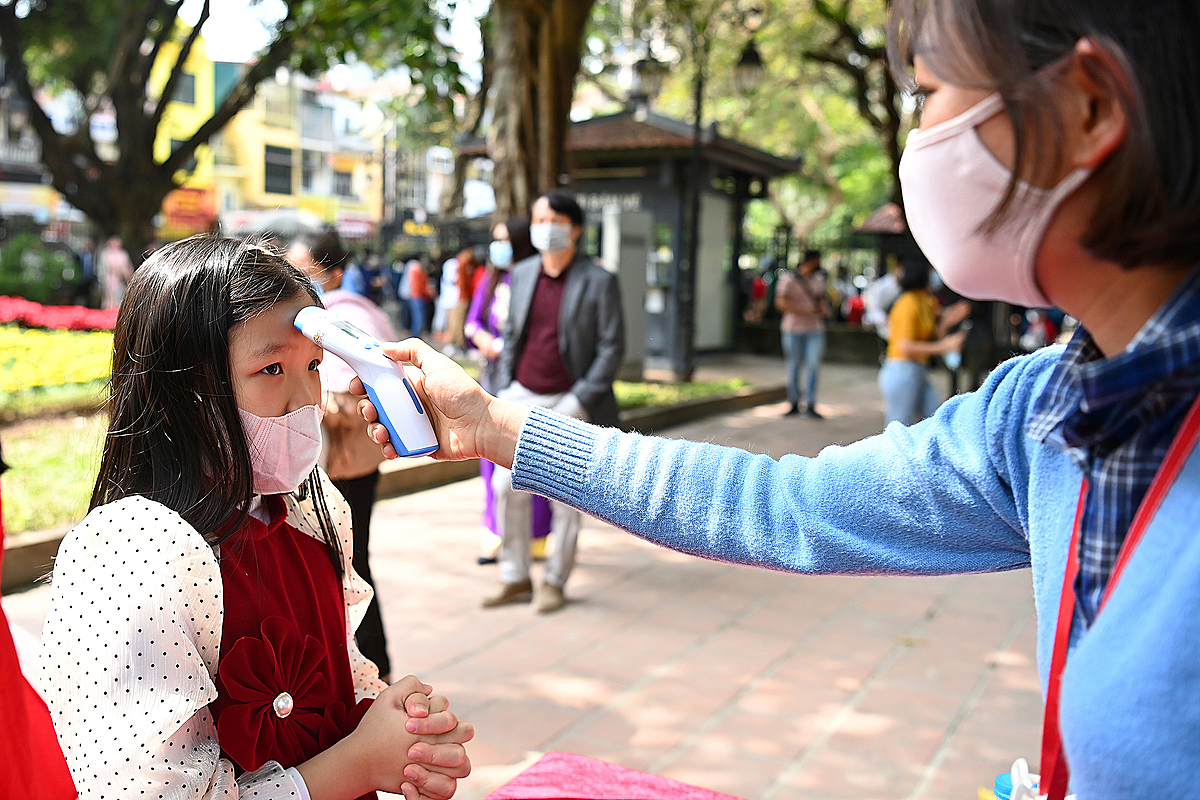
{"points": [[67, 157], [862, 86], [18, 72], [607, 89], [177, 69], [130, 40], [824, 170], [474, 120], [240, 95], [128, 89], [165, 32]]}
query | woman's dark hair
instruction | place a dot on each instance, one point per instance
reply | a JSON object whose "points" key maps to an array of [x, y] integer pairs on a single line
{"points": [[518, 234], [1150, 210], [325, 247], [174, 434], [563, 203], [914, 274]]}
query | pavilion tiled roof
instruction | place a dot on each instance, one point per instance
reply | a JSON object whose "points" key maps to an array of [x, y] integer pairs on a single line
{"points": [[624, 132], [644, 131], [888, 218]]}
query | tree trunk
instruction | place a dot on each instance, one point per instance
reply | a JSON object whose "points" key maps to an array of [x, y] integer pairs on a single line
{"points": [[891, 134], [536, 45]]}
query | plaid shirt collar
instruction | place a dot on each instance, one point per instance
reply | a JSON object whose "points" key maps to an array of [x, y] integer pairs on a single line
{"points": [[1090, 401], [1116, 417]]}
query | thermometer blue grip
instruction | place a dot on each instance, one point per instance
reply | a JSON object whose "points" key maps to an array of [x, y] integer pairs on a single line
{"points": [[396, 438], [413, 394]]}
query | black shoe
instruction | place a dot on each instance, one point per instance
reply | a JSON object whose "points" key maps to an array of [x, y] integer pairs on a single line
{"points": [[793, 411], [812, 412], [483, 561]]}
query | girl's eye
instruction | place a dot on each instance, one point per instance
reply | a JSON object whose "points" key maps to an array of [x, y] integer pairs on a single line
{"points": [[312, 365], [273, 369]]}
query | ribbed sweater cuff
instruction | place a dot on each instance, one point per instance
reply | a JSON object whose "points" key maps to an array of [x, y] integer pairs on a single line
{"points": [[553, 455]]}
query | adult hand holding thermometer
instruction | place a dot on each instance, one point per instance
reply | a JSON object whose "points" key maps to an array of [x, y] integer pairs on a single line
{"points": [[387, 387]]}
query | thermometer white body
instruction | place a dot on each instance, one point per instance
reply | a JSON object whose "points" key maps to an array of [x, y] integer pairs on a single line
{"points": [[387, 387]]}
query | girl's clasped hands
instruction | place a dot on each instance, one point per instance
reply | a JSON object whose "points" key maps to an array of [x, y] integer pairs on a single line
{"points": [[409, 742]]}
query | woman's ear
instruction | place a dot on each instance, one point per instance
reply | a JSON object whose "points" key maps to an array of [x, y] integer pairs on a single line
{"points": [[1095, 121]]}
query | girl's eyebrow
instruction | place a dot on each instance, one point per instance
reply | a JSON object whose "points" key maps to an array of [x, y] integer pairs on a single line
{"points": [[270, 349]]}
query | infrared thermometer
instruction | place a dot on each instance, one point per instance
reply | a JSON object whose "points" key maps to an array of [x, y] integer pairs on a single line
{"points": [[387, 387]]}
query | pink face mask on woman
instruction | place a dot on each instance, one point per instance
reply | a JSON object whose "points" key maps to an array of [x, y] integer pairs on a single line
{"points": [[951, 183], [283, 450]]}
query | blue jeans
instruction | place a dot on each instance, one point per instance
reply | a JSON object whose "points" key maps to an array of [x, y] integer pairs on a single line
{"points": [[809, 348], [908, 396], [416, 316]]}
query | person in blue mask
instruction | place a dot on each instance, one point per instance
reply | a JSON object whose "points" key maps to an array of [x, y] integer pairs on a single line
{"points": [[484, 330]]}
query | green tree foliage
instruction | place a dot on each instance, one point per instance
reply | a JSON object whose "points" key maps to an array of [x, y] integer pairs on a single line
{"points": [[100, 52], [825, 95]]}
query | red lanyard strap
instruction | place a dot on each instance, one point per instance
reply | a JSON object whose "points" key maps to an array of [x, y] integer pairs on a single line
{"points": [[1053, 780], [1054, 770]]}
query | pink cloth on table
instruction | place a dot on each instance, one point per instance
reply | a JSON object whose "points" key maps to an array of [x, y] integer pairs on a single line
{"points": [[567, 776]]}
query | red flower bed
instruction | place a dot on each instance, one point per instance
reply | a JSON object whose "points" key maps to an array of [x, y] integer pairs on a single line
{"points": [[73, 318]]}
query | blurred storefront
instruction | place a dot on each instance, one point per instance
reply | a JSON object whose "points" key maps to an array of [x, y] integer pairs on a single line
{"points": [[186, 212]]}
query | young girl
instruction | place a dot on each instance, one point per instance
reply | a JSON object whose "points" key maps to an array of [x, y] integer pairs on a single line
{"points": [[200, 640]]}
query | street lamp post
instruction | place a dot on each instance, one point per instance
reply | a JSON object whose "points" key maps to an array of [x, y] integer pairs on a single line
{"points": [[749, 72], [748, 75], [683, 357], [648, 74]]}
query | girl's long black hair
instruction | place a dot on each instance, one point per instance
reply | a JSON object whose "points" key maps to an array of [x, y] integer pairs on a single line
{"points": [[174, 433]]}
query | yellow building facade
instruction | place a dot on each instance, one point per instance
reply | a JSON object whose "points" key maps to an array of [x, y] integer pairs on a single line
{"points": [[297, 147], [191, 208]]}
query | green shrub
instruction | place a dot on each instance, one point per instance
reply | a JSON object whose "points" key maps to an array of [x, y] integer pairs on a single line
{"points": [[642, 395], [32, 269]]}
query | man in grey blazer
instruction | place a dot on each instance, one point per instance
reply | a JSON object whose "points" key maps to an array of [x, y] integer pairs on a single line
{"points": [[564, 342]]}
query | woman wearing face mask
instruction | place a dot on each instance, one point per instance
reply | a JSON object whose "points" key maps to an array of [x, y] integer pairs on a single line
{"points": [[485, 325], [1055, 165], [917, 329]]}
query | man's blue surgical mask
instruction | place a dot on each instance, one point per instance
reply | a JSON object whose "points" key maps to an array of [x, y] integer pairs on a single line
{"points": [[550, 237]]}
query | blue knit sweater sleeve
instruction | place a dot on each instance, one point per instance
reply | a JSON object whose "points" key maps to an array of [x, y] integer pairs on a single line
{"points": [[946, 495]]}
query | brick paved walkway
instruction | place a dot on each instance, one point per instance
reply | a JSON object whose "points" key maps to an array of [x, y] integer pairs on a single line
{"points": [[755, 683]]}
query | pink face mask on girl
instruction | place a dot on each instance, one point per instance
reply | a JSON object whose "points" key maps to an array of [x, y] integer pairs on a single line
{"points": [[283, 450]]}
